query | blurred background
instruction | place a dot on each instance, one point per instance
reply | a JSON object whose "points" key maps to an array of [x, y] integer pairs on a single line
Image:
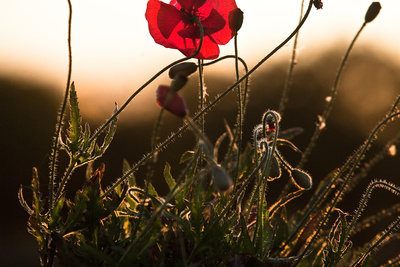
{"points": [[113, 54]]}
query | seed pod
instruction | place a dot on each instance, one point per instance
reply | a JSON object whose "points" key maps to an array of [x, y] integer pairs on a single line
{"points": [[372, 12], [222, 180], [184, 69], [301, 179]]}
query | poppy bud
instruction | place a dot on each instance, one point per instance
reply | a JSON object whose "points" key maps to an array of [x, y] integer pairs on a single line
{"points": [[275, 171], [184, 69], [301, 179], [318, 4], [222, 180], [235, 19], [171, 101], [372, 12], [178, 82]]}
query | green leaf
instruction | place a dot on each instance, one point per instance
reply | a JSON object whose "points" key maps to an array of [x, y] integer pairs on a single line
{"points": [[110, 133], [151, 190], [245, 244], [168, 177], [75, 127], [37, 204], [56, 212], [186, 156], [126, 167], [23, 202]]}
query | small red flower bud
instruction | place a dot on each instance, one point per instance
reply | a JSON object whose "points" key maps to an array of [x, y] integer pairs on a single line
{"points": [[235, 19], [318, 4], [372, 12], [184, 69], [171, 101]]}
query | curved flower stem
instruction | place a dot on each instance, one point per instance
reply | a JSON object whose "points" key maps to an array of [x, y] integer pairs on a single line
{"points": [[293, 62], [60, 123], [331, 99], [102, 127], [363, 203], [200, 113], [240, 114], [242, 99], [321, 195], [360, 154], [202, 92]]}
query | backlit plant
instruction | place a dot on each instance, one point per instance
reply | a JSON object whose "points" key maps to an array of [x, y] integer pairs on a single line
{"points": [[216, 211]]}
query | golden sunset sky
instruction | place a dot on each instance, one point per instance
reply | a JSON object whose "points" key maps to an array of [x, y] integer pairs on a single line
{"points": [[113, 52]]}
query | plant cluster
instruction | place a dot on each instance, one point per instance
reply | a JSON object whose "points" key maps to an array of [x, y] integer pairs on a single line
{"points": [[216, 212]]}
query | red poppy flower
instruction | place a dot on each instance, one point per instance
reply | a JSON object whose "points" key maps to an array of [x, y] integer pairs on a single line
{"points": [[173, 26], [176, 105]]}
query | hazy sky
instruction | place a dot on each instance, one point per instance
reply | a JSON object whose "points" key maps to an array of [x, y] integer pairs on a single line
{"points": [[114, 53]]}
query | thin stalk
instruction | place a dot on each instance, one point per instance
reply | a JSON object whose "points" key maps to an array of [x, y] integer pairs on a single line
{"points": [[363, 203], [293, 62], [348, 177], [327, 188], [329, 102], [60, 123], [240, 113], [202, 92], [102, 127]]}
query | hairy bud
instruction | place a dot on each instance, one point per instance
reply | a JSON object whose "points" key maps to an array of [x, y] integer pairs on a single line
{"points": [[301, 179]]}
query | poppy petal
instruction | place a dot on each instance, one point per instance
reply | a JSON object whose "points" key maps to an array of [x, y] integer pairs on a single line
{"points": [[213, 23], [190, 4], [174, 28], [209, 49], [167, 19]]}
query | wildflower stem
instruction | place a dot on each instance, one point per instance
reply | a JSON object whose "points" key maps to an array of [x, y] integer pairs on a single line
{"points": [[241, 106], [358, 156], [60, 123], [293, 60], [329, 102], [363, 203], [202, 92], [322, 194], [102, 127]]}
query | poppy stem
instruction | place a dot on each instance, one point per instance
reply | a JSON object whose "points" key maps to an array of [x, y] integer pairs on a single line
{"points": [[284, 98], [102, 127], [329, 102]]}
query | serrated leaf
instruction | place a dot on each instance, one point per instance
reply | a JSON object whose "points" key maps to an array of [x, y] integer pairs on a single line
{"points": [[56, 211], [23, 202], [110, 132], [126, 167], [75, 124], [151, 190], [36, 202], [168, 176]]}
